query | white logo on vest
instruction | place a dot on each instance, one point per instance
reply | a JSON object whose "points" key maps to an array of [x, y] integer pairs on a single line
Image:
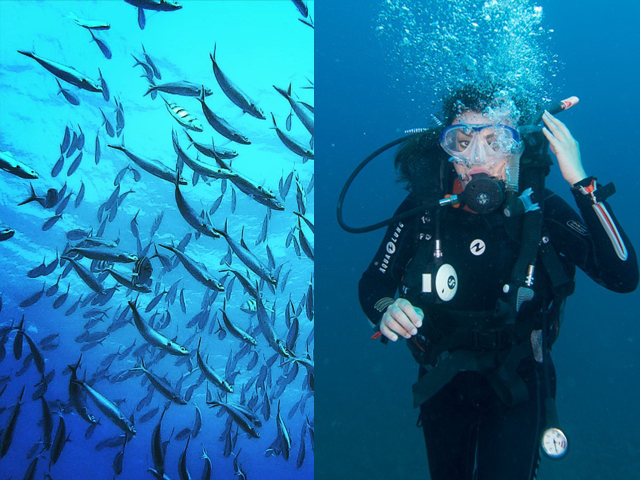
{"points": [[477, 247]]}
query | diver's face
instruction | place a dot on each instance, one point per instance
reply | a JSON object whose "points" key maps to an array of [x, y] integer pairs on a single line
{"points": [[494, 166]]}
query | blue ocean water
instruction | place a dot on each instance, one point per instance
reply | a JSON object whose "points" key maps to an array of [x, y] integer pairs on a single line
{"points": [[258, 45], [367, 428]]}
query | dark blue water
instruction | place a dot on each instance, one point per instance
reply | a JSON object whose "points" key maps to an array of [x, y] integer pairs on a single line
{"points": [[258, 45], [366, 424]]}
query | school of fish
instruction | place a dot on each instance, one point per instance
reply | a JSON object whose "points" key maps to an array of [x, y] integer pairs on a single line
{"points": [[221, 341]]}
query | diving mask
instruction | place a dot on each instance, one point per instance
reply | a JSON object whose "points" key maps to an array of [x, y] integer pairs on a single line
{"points": [[475, 145]]}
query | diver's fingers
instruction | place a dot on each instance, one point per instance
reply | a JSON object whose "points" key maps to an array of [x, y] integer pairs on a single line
{"points": [[400, 317], [410, 311], [398, 327], [384, 330], [558, 128], [554, 143]]}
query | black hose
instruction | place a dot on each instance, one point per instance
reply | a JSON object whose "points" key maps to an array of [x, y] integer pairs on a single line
{"points": [[354, 174]]}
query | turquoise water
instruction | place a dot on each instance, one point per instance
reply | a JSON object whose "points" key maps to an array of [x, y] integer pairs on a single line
{"points": [[258, 44]]}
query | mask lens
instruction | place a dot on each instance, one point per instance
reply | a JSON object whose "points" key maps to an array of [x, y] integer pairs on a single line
{"points": [[462, 140]]}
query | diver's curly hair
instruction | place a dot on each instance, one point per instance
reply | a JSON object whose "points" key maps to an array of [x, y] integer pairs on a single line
{"points": [[421, 162]]}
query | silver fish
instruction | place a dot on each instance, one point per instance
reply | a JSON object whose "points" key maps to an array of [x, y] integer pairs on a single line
{"points": [[302, 7], [302, 110], [292, 144], [66, 73], [154, 167], [211, 375], [222, 126], [89, 24], [105, 87], [110, 409], [197, 166], [86, 276], [236, 95], [211, 150], [104, 48], [105, 254], [248, 258], [197, 270], [161, 385], [155, 338], [183, 117], [257, 192], [71, 97], [185, 88], [9, 164], [151, 63], [192, 218]]}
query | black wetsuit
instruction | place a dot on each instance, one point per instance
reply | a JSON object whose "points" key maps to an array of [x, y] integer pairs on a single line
{"points": [[469, 430]]}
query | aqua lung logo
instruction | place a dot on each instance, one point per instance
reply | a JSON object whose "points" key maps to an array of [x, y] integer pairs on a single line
{"points": [[451, 282], [477, 247], [483, 198], [391, 248]]}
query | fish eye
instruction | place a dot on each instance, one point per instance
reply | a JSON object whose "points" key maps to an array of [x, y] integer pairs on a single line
{"points": [[168, 344]]}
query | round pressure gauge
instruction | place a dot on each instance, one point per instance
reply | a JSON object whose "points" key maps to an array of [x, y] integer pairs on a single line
{"points": [[554, 443]]}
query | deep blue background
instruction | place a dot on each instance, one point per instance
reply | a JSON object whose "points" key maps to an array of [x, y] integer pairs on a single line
{"points": [[366, 427]]}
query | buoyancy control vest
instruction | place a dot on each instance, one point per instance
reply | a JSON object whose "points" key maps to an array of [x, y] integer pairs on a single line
{"points": [[461, 264]]}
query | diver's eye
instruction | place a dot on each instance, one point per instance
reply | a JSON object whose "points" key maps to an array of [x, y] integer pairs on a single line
{"points": [[463, 144]]}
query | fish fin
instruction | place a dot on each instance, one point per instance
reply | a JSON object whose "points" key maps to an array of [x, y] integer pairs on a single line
{"points": [[288, 122], [141, 19], [242, 242]]}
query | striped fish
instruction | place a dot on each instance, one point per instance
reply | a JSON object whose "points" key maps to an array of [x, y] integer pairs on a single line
{"points": [[183, 117]]}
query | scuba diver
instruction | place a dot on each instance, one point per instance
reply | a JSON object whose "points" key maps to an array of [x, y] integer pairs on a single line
{"points": [[477, 287]]}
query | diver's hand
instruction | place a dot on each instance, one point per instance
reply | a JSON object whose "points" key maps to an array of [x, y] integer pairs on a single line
{"points": [[401, 318], [565, 148]]}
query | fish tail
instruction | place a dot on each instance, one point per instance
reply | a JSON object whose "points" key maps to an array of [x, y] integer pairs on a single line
{"points": [[199, 342], [166, 246], [138, 368], [149, 90], [28, 54], [132, 305], [32, 197], [274, 120]]}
